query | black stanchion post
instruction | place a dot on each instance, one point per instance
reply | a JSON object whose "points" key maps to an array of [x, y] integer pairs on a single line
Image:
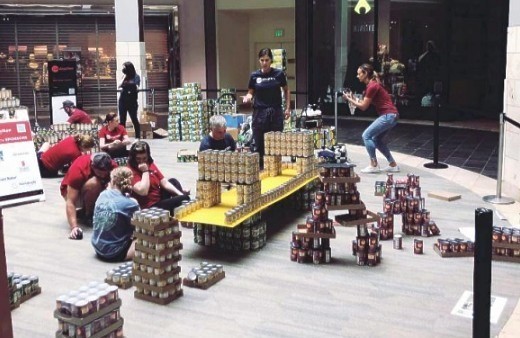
{"points": [[437, 89], [482, 272]]}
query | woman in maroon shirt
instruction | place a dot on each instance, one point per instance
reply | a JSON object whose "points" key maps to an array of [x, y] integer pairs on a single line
{"points": [[53, 159], [374, 135], [113, 137], [150, 187]]}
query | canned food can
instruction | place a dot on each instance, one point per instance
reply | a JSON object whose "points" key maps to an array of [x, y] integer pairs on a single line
{"points": [[398, 242], [418, 246]]}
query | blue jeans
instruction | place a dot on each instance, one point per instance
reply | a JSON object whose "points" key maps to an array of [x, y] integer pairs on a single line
{"points": [[374, 136]]}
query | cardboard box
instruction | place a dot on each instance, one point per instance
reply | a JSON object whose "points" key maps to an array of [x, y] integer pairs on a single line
{"points": [[233, 132]]}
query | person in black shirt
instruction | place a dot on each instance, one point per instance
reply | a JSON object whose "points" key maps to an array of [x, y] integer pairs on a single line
{"points": [[128, 98], [218, 139]]}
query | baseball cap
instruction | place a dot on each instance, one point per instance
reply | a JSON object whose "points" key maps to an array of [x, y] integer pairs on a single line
{"points": [[101, 161], [67, 103]]}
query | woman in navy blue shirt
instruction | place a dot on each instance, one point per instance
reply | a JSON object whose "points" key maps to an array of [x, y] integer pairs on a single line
{"points": [[265, 86], [128, 98]]}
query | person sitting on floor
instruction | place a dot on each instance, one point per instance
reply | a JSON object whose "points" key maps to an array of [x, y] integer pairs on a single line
{"points": [[76, 115], [150, 187], [55, 158], [113, 137], [218, 139], [87, 177], [112, 237]]}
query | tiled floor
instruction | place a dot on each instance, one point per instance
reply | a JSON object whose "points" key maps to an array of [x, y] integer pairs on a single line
{"points": [[470, 149]]}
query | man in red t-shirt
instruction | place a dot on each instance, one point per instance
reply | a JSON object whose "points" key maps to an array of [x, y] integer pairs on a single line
{"points": [[87, 177], [75, 115]]}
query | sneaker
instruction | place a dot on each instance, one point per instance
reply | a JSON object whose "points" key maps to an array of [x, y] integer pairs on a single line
{"points": [[371, 170], [390, 169]]}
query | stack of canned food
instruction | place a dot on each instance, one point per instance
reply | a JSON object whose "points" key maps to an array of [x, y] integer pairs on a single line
{"points": [[229, 167], [455, 245], [506, 242], [404, 197], [88, 311], [324, 137], [290, 143], [226, 104], [304, 197], [121, 275], [273, 165], [204, 274], [58, 132], [312, 240], [7, 100], [208, 193], [157, 254], [366, 246], [21, 287], [188, 116], [249, 235]]}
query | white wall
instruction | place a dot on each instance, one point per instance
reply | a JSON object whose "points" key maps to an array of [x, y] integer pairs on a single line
{"points": [[511, 174]]}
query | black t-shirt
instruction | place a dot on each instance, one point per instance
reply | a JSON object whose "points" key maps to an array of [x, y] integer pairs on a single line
{"points": [[209, 142], [267, 88]]}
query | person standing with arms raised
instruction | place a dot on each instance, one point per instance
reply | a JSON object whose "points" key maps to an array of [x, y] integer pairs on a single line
{"points": [[128, 98], [265, 87], [374, 135]]}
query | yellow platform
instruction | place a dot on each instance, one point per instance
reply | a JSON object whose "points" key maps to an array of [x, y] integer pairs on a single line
{"points": [[216, 214]]}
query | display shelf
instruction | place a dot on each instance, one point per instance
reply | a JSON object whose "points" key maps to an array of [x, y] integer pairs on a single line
{"points": [[204, 286], [103, 333], [216, 214], [451, 254], [161, 301], [345, 220], [358, 206], [355, 179], [313, 234]]}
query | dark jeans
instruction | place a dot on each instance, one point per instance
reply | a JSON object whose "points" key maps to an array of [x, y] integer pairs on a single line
{"points": [[169, 201], [131, 107], [265, 120]]}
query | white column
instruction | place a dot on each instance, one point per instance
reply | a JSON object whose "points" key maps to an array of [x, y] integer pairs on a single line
{"points": [[130, 45]]}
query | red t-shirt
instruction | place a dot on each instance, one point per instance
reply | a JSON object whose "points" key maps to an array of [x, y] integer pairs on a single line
{"points": [[79, 116], [66, 151], [380, 98], [154, 193], [110, 136], [79, 173]]}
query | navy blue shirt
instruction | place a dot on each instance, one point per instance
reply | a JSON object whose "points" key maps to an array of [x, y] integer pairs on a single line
{"points": [[209, 142], [267, 88]]}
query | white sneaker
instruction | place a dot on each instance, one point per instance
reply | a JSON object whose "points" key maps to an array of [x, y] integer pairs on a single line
{"points": [[371, 170], [390, 169]]}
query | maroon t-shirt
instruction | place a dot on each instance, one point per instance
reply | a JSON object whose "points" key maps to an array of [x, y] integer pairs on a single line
{"points": [[66, 151], [154, 193], [110, 136], [380, 98], [79, 173], [79, 116]]}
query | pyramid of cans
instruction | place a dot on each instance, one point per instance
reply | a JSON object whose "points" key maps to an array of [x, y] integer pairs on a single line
{"points": [[58, 132], [156, 262], [404, 197], [227, 101], [21, 288], [90, 311], [311, 242], [366, 246], [216, 167], [188, 116], [250, 235]]}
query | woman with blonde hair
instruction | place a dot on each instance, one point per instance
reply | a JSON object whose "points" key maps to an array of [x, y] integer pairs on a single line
{"points": [[55, 158], [112, 237]]}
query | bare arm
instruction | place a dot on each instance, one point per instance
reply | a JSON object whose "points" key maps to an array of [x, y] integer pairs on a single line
{"points": [[70, 207], [287, 101], [165, 184], [363, 104], [126, 140], [249, 96], [141, 188], [102, 144]]}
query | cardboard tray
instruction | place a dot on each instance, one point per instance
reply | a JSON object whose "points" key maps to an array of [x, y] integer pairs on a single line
{"points": [[371, 217], [506, 259], [86, 320], [451, 254], [157, 264], [101, 333], [354, 179], [359, 206], [160, 226], [163, 252], [160, 301], [156, 240], [313, 234], [204, 286], [124, 286]]}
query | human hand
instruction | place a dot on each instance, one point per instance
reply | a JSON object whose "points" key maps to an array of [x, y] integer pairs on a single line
{"points": [[287, 113], [143, 167], [246, 98], [347, 95], [76, 233], [116, 141]]}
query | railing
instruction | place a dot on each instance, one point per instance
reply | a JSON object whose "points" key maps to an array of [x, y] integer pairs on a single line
{"points": [[498, 199]]}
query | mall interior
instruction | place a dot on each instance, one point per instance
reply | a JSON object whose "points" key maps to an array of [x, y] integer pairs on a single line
{"points": [[214, 43]]}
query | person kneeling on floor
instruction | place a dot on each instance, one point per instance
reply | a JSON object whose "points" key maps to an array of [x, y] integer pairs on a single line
{"points": [[112, 237], [87, 177]]}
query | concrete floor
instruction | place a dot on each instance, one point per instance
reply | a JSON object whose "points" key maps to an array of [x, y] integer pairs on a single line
{"points": [[264, 293]]}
